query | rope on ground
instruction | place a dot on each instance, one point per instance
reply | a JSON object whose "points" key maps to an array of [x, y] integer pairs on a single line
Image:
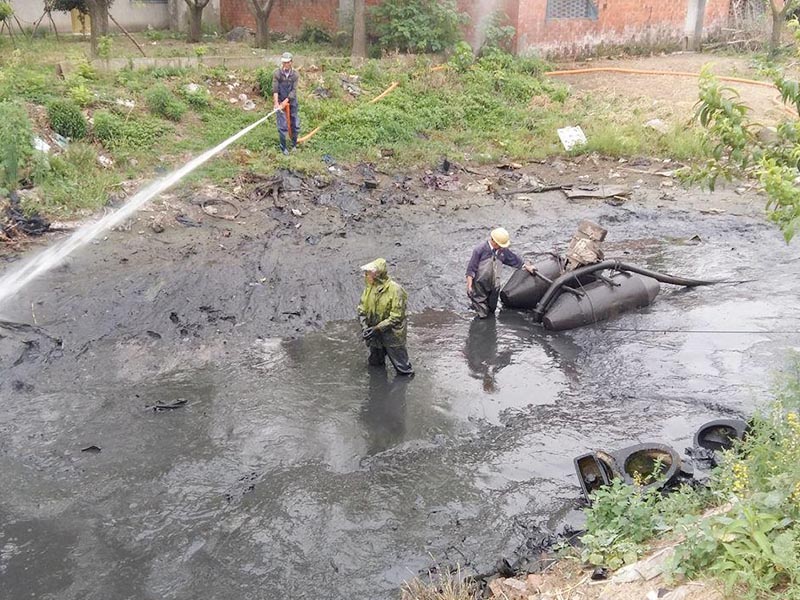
{"points": [[703, 331], [654, 72]]}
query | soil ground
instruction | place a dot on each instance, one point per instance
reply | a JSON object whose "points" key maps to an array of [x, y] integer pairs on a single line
{"points": [[675, 96]]}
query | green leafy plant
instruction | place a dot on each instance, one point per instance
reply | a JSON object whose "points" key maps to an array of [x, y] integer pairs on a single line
{"points": [[754, 546], [71, 181], [264, 82], [161, 101], [66, 119], [6, 12], [15, 143], [417, 25], [737, 148], [498, 35], [314, 33], [104, 46], [462, 58], [81, 95], [198, 98], [200, 51], [86, 70]]}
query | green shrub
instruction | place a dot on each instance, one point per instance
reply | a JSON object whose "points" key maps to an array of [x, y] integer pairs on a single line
{"points": [[66, 119], [161, 101], [264, 82], [314, 33], [118, 133], [417, 25], [16, 144]]}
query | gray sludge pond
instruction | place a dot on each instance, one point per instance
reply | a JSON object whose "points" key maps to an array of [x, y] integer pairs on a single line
{"points": [[293, 471]]}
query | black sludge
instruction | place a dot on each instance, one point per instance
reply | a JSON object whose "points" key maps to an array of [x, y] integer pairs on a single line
{"points": [[523, 290], [600, 301]]}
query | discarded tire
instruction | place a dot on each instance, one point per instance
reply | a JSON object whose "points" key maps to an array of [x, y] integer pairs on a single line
{"points": [[720, 434], [592, 472], [648, 465]]}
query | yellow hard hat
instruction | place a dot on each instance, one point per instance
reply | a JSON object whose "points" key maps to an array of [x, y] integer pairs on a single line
{"points": [[500, 237]]}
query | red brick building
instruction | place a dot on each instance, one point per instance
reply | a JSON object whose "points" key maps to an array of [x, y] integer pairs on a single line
{"points": [[542, 26]]}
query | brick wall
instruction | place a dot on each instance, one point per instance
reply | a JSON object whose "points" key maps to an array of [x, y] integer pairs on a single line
{"points": [[641, 22], [287, 16]]}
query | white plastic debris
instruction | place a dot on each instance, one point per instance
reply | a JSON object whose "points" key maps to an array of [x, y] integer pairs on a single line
{"points": [[571, 137], [657, 125], [192, 88], [105, 161], [41, 145], [124, 102]]}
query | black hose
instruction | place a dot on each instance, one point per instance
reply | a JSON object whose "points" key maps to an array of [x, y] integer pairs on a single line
{"points": [[614, 265]]}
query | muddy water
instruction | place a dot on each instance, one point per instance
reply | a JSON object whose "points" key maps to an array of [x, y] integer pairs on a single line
{"points": [[292, 470]]}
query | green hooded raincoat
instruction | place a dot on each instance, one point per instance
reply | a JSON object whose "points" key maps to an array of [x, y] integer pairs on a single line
{"points": [[383, 306]]}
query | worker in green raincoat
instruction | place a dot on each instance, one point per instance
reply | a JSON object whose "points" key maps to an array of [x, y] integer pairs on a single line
{"points": [[382, 313]]}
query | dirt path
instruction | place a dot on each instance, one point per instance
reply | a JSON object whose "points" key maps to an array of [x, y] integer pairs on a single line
{"points": [[672, 98]]}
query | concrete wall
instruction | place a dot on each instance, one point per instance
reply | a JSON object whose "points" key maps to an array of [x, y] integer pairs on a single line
{"points": [[133, 15]]}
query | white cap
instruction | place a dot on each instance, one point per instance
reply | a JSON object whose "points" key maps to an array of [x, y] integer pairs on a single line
{"points": [[286, 57]]}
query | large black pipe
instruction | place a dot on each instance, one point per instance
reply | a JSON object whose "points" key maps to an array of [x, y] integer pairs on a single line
{"points": [[615, 265]]}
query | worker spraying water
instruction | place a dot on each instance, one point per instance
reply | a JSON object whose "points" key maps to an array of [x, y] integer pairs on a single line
{"points": [[13, 282]]}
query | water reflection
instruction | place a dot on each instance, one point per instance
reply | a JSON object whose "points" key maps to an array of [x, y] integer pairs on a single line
{"points": [[483, 358], [384, 413]]}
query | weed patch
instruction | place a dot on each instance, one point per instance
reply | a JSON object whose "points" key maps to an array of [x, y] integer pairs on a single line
{"points": [[162, 102], [118, 133]]}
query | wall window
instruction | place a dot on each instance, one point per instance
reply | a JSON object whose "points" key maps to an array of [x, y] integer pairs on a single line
{"points": [[571, 9]]}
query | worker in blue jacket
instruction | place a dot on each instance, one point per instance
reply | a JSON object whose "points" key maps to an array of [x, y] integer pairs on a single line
{"points": [[483, 284]]}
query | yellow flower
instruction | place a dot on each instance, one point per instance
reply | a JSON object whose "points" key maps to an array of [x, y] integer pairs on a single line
{"points": [[740, 477]]}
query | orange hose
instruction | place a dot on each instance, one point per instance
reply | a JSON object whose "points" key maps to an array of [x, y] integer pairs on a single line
{"points": [[380, 96], [309, 135], [385, 93], [645, 72]]}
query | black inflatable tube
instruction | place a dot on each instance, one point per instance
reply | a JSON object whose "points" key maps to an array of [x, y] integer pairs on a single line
{"points": [[615, 265]]}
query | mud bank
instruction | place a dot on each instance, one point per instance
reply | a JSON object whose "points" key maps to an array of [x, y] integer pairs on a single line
{"points": [[293, 471]]}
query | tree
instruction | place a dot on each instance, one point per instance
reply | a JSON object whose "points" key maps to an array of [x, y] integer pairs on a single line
{"points": [[195, 19], [741, 148], [261, 10], [359, 29], [779, 10], [97, 11], [98, 14]]}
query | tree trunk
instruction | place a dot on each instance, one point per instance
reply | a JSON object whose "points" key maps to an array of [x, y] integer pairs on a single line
{"points": [[262, 30], [98, 13], [359, 30], [195, 23], [261, 9], [777, 28]]}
